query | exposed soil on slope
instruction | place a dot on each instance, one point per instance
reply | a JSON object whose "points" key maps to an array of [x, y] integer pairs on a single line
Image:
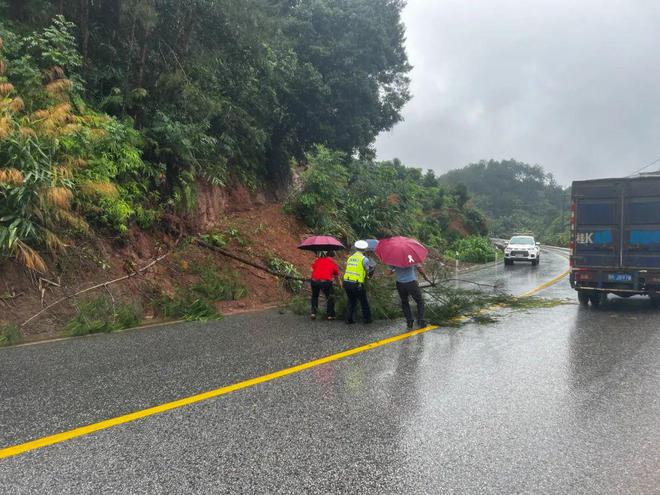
{"points": [[256, 231]]}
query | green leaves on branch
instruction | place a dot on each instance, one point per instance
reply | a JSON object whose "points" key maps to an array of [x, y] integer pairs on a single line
{"points": [[287, 269]]}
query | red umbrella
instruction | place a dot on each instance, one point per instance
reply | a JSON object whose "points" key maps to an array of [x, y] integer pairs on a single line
{"points": [[401, 251], [321, 243]]}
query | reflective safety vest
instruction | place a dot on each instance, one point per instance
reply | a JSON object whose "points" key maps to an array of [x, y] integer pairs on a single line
{"points": [[355, 271]]}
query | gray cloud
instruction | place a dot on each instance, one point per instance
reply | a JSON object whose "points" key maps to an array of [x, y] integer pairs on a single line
{"points": [[573, 86]]}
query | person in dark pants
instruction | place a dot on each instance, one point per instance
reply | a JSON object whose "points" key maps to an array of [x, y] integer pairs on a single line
{"points": [[358, 267], [324, 271], [407, 287], [356, 292]]}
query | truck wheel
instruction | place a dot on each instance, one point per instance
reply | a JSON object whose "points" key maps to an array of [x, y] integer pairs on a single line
{"points": [[598, 299], [655, 301], [508, 262], [535, 262], [583, 298]]}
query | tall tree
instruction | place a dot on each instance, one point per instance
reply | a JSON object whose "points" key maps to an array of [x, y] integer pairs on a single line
{"points": [[237, 88]]}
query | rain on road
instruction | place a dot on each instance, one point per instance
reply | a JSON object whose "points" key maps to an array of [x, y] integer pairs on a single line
{"points": [[558, 400]]}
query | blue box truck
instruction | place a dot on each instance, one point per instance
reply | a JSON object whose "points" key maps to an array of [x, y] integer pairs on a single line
{"points": [[615, 238]]}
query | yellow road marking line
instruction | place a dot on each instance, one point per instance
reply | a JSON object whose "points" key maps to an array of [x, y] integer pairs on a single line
{"points": [[549, 283], [126, 418], [186, 401]]}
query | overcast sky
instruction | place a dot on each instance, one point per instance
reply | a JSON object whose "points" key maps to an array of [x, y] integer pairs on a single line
{"points": [[573, 86]]}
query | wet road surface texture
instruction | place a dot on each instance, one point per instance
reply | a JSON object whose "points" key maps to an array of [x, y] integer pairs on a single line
{"points": [[560, 400]]}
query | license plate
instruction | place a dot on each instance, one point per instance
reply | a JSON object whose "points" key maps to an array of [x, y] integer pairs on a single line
{"points": [[619, 277]]}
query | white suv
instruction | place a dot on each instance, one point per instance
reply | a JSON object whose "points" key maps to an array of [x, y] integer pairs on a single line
{"points": [[522, 248]]}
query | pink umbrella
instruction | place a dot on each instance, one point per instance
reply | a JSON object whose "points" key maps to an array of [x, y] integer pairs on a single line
{"points": [[321, 243], [401, 251]]}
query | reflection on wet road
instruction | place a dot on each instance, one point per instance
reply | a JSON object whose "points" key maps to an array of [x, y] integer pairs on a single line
{"points": [[560, 400], [521, 277]]}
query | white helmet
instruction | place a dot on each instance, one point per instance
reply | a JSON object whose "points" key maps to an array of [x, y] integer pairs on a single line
{"points": [[361, 245]]}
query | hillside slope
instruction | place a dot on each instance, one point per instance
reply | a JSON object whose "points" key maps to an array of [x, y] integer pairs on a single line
{"points": [[258, 232]]}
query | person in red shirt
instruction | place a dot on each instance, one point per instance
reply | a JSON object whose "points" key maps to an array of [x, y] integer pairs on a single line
{"points": [[324, 272]]}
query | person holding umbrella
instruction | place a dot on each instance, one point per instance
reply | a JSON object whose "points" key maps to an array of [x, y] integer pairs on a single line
{"points": [[358, 268], [404, 256], [324, 271]]}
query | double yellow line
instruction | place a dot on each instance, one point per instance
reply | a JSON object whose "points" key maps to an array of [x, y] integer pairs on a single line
{"points": [[168, 406]]}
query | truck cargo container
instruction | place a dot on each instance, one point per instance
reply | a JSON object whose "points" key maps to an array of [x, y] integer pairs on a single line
{"points": [[615, 238]]}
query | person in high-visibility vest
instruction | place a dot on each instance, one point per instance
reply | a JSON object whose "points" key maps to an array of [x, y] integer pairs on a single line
{"points": [[358, 268]]}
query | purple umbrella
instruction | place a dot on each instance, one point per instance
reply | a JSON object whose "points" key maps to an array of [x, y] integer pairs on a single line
{"points": [[321, 243]]}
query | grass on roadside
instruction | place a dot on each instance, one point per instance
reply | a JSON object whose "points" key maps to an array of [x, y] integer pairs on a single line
{"points": [[214, 286], [10, 334], [196, 301], [186, 305], [103, 315]]}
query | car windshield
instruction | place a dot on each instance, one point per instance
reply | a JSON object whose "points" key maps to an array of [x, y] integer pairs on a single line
{"points": [[521, 240]]}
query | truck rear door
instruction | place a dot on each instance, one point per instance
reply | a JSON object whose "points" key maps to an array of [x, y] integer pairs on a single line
{"points": [[641, 232], [597, 224]]}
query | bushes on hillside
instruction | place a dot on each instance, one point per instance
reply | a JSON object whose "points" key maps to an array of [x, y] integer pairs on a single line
{"points": [[61, 163], [321, 201], [474, 249], [354, 198]]}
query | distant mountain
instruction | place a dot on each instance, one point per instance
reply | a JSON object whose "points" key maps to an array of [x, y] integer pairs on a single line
{"points": [[515, 196]]}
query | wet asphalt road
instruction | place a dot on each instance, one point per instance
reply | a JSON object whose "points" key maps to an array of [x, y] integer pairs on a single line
{"points": [[560, 400]]}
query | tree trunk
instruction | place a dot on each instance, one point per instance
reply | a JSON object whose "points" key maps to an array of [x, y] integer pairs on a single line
{"points": [[84, 31], [143, 58], [17, 9], [189, 26], [110, 12], [127, 74]]}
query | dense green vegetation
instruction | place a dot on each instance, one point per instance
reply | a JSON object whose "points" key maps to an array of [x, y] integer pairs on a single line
{"points": [[61, 163], [354, 198], [516, 197], [112, 111], [103, 315], [195, 300], [10, 334], [474, 249]]}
